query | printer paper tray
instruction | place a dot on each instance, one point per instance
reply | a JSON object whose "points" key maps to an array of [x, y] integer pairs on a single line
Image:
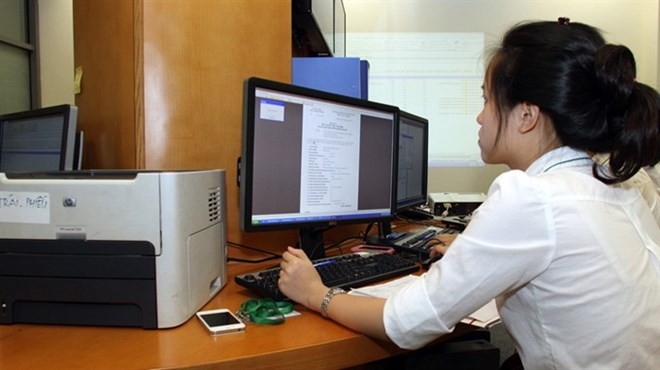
{"points": [[75, 283]]}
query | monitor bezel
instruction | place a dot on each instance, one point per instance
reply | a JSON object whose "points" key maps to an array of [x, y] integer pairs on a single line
{"points": [[68, 139], [420, 199], [247, 149]]}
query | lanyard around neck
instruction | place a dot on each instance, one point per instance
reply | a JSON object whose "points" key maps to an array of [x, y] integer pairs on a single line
{"points": [[564, 162]]}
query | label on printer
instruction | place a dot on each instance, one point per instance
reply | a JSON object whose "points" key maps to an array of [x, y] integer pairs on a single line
{"points": [[24, 207]]}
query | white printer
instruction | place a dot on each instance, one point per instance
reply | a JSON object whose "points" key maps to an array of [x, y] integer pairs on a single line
{"points": [[111, 248]]}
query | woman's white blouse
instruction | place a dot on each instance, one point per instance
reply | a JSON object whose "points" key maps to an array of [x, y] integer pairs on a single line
{"points": [[574, 264]]}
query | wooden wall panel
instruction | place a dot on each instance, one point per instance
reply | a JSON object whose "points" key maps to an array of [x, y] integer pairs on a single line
{"points": [[195, 61], [196, 57], [163, 83], [103, 48]]}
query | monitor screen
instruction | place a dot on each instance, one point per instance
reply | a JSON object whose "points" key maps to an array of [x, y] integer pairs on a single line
{"points": [[312, 159], [38, 140], [413, 161]]}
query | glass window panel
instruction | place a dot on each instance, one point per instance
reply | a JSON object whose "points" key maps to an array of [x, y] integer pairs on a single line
{"points": [[13, 20], [14, 79]]}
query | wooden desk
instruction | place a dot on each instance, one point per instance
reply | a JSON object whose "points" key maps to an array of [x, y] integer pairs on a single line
{"points": [[304, 342]]}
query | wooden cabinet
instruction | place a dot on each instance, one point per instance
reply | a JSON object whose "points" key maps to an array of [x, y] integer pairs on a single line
{"points": [[163, 80]]}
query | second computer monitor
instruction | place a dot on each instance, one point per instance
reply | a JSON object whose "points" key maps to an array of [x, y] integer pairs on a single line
{"points": [[413, 161]]}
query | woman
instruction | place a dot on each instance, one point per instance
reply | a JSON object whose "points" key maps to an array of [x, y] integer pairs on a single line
{"points": [[573, 258]]}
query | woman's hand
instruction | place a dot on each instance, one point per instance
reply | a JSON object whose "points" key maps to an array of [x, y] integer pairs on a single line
{"points": [[299, 280], [442, 247]]}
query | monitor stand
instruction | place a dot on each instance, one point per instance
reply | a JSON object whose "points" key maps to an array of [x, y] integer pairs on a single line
{"points": [[384, 229], [310, 240]]}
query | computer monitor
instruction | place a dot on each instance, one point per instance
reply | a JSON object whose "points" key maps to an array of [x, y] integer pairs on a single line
{"points": [[412, 174], [38, 140], [413, 161], [311, 160]]}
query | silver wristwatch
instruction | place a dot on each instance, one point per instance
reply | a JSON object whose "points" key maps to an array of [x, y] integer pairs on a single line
{"points": [[326, 299]]}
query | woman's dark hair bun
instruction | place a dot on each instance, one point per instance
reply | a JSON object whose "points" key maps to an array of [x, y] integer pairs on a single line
{"points": [[615, 75]]}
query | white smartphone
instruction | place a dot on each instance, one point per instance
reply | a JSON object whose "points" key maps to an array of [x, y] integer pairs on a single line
{"points": [[220, 321]]}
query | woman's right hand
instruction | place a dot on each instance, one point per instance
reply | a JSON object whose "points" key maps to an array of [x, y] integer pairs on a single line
{"points": [[442, 247]]}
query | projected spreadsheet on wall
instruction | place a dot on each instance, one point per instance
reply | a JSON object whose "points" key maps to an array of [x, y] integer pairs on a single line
{"points": [[435, 75]]}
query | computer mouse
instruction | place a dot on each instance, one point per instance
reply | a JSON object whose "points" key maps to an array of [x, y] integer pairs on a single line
{"points": [[429, 261]]}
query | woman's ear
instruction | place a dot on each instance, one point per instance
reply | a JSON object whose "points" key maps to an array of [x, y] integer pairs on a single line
{"points": [[529, 117]]}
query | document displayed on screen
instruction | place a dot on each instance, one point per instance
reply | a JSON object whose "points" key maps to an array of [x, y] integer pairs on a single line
{"points": [[330, 159], [434, 75], [310, 153]]}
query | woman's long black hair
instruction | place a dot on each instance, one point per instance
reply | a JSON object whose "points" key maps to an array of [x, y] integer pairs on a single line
{"points": [[587, 87]]}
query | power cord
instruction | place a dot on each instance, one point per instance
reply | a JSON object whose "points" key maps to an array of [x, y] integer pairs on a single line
{"points": [[244, 246]]}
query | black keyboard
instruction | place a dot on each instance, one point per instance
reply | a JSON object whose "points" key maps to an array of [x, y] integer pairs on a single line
{"points": [[420, 242], [344, 271]]}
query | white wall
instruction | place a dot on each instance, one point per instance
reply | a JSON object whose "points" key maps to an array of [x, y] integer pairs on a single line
{"points": [[630, 22], [56, 51]]}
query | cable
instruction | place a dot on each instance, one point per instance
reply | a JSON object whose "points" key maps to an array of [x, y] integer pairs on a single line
{"points": [[238, 245], [243, 246], [340, 243], [369, 226], [251, 261]]}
